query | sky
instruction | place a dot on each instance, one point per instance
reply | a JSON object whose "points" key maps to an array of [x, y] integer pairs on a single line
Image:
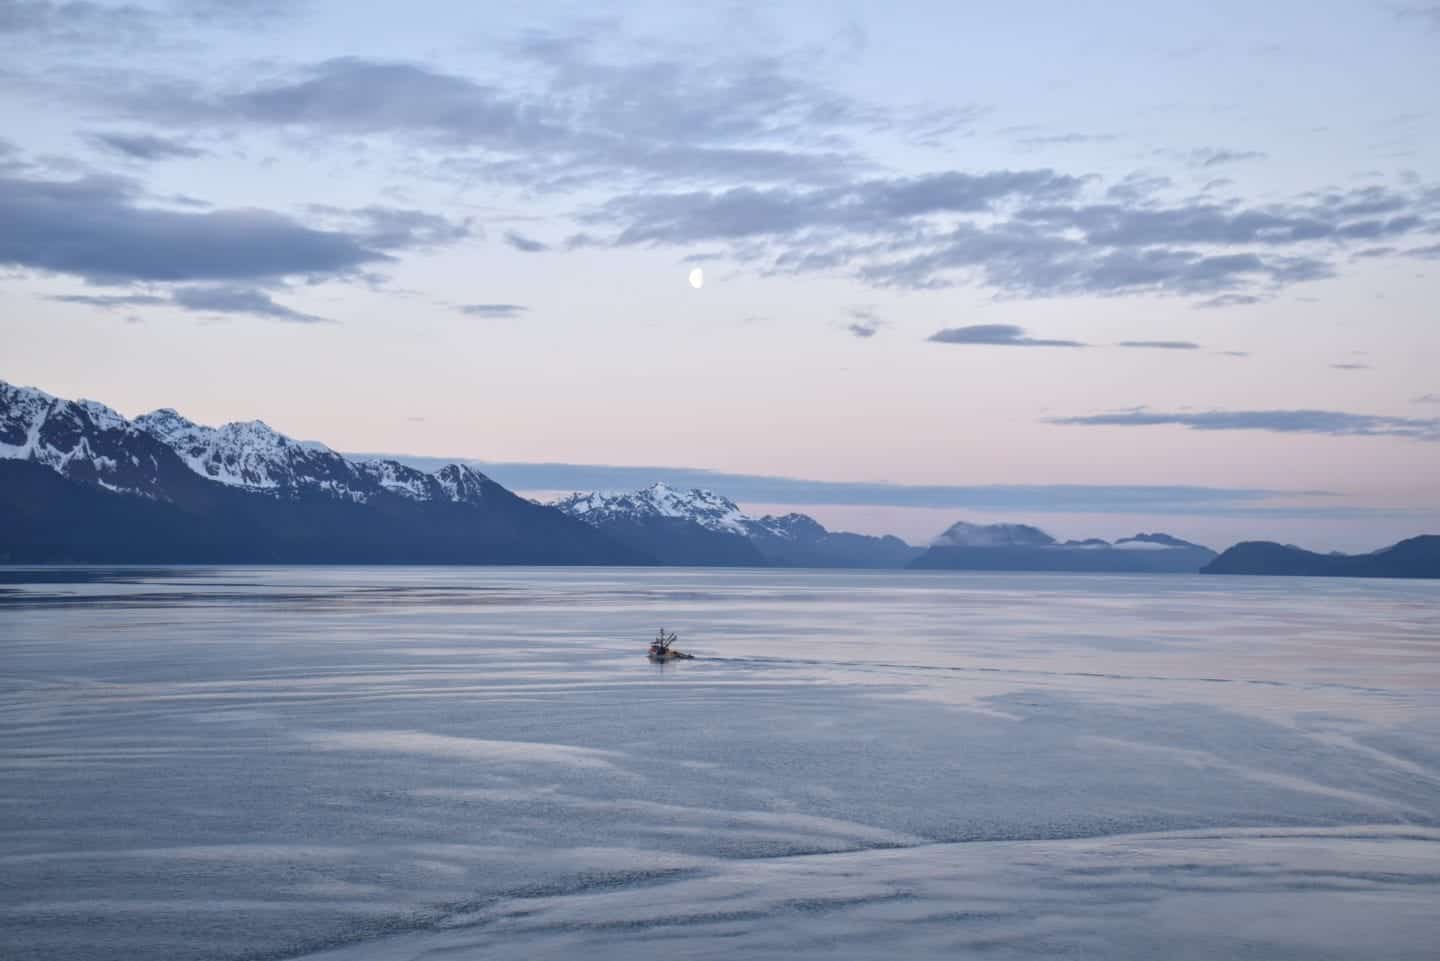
{"points": [[1100, 267]]}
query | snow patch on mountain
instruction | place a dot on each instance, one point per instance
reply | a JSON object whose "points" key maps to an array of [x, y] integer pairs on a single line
{"points": [[88, 441], [243, 454], [77, 439], [703, 507]]}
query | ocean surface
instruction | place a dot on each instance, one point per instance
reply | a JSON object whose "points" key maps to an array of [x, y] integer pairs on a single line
{"points": [[463, 763]]}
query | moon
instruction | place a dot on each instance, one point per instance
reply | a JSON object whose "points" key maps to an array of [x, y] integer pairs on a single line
{"points": [[697, 278]]}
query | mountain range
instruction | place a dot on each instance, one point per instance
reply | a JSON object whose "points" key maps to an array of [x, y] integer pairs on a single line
{"points": [[1019, 547], [701, 528], [79, 483]]}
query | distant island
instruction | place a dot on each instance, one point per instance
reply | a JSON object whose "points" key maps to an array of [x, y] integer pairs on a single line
{"points": [[1415, 557], [81, 484]]}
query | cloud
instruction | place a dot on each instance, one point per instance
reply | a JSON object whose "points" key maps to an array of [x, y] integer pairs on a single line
{"points": [[142, 146], [1137, 187], [1160, 344], [766, 489], [96, 228], [1028, 233], [589, 119], [202, 299], [240, 300], [76, 21], [1233, 353], [492, 310], [86, 22], [111, 301], [523, 243], [1431, 252], [1213, 157], [1350, 366], [1002, 335], [398, 228], [1429, 14], [1428, 399], [866, 322], [751, 158], [241, 13], [1065, 139], [1230, 300], [868, 206], [1338, 423]]}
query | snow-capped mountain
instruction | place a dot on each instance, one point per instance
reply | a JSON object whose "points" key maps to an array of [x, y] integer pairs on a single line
{"points": [[705, 508], [78, 439], [694, 527], [252, 455], [702, 527], [80, 483]]}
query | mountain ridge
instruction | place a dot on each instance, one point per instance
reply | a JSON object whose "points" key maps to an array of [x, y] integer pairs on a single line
{"points": [[1413, 557], [80, 483], [709, 529]]}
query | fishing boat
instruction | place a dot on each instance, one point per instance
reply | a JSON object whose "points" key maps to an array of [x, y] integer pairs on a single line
{"points": [[660, 649]]}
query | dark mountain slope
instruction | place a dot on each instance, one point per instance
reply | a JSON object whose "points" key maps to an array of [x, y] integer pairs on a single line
{"points": [[1415, 557]]}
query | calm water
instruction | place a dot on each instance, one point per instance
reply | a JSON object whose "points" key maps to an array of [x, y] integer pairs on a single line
{"points": [[480, 764]]}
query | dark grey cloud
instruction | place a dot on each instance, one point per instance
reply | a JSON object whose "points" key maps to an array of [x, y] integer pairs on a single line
{"points": [[999, 335], [111, 301], [143, 146], [749, 157], [523, 243], [1024, 233], [1230, 300], [97, 228], [1213, 223], [492, 310], [1138, 186], [1351, 366], [1338, 423], [76, 21], [589, 119], [209, 299], [1161, 344], [239, 300], [763, 489], [1233, 353], [241, 13], [86, 22], [869, 206], [1214, 157], [1428, 399], [865, 323], [1431, 252], [394, 228]]}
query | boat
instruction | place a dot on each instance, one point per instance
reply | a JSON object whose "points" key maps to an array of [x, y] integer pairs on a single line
{"points": [[660, 649]]}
